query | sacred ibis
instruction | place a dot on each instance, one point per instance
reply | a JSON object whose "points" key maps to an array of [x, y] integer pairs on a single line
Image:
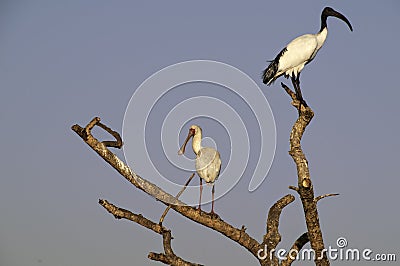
{"points": [[208, 161], [299, 52]]}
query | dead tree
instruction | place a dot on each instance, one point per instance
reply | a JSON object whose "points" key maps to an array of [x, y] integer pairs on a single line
{"points": [[272, 236]]}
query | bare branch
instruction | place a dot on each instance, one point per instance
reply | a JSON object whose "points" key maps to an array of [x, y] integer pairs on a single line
{"points": [[169, 257], [115, 144], [324, 196], [291, 93], [101, 149], [297, 246], [294, 188], [120, 213], [273, 219], [206, 219], [161, 257], [272, 236], [305, 187]]}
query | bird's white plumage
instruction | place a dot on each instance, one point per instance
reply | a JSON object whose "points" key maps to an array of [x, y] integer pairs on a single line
{"points": [[208, 160], [300, 52], [208, 164]]}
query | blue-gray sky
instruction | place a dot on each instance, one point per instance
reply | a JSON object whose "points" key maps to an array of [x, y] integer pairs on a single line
{"points": [[64, 62]]}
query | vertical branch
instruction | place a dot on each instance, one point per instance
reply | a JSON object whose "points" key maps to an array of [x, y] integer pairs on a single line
{"points": [[305, 187], [272, 236]]}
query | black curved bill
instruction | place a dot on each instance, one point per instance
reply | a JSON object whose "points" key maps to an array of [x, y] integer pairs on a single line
{"points": [[331, 12], [342, 17]]}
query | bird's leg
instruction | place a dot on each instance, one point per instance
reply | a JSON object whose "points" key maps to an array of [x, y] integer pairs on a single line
{"points": [[293, 79], [296, 84], [212, 200], [201, 191]]}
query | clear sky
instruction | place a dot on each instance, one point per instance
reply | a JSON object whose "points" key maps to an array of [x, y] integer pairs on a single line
{"points": [[64, 62]]}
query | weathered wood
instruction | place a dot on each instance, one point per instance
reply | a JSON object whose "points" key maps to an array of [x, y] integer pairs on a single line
{"points": [[305, 186]]}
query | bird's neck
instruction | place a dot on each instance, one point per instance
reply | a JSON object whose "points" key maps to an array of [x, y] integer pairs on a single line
{"points": [[196, 143], [321, 37], [324, 18]]}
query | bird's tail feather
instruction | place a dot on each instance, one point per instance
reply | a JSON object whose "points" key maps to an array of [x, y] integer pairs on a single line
{"points": [[269, 73]]}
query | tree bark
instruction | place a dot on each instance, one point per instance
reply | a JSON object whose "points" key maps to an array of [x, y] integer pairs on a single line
{"points": [[272, 237], [206, 219], [305, 186]]}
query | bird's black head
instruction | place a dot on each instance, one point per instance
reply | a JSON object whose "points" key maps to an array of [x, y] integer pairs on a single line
{"points": [[330, 12]]}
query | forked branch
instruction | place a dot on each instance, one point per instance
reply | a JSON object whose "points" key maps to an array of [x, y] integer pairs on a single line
{"points": [[271, 238], [168, 257], [235, 234]]}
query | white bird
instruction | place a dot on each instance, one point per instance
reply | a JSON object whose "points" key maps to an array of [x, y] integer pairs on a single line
{"points": [[208, 161], [299, 52]]}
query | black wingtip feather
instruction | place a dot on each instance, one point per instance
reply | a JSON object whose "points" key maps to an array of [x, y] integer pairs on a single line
{"points": [[269, 73]]}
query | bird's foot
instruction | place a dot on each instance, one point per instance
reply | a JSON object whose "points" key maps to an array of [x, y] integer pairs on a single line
{"points": [[301, 103], [214, 215]]}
